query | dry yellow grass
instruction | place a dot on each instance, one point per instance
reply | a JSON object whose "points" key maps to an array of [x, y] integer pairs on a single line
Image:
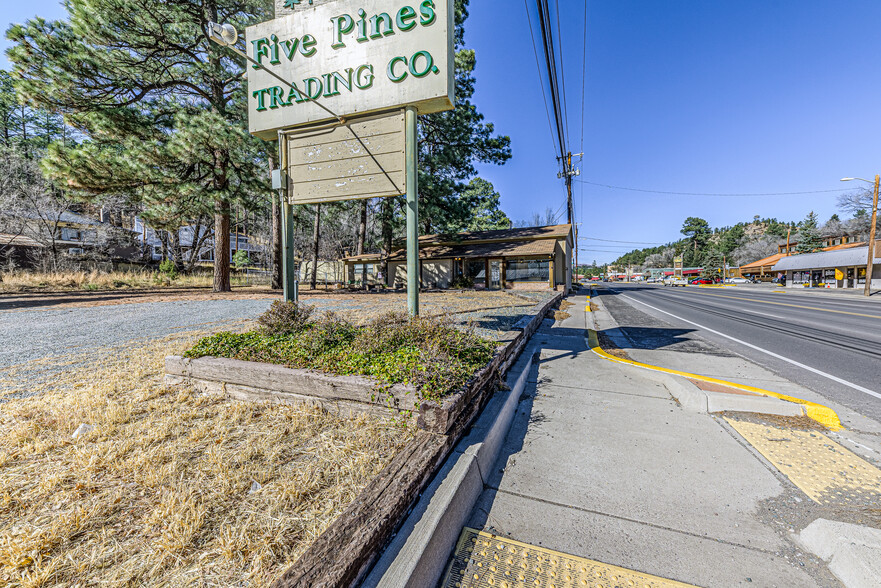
{"points": [[162, 492], [28, 281]]}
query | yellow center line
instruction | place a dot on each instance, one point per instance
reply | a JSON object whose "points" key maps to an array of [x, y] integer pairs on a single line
{"points": [[875, 316]]}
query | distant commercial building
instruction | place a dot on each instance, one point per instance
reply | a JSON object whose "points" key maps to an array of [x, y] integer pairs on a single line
{"points": [[527, 258], [762, 269], [836, 268]]}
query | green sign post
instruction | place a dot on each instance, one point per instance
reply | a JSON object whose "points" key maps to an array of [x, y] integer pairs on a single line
{"points": [[412, 154]]}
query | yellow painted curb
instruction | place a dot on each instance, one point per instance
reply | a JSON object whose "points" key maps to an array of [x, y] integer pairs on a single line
{"points": [[822, 414]]}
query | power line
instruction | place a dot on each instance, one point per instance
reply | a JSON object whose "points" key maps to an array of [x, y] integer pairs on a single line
{"points": [[538, 68], [631, 242], [562, 72], [708, 193], [583, 75]]}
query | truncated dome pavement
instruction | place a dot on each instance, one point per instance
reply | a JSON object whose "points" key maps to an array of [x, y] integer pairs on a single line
{"points": [[824, 470], [483, 560]]}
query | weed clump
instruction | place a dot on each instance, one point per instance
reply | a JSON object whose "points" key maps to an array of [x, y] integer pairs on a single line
{"points": [[285, 318], [429, 353]]}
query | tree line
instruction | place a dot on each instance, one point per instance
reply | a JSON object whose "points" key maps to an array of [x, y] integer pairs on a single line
{"points": [[114, 108]]}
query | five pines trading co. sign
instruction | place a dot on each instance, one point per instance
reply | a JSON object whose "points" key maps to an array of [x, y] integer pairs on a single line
{"points": [[354, 57]]}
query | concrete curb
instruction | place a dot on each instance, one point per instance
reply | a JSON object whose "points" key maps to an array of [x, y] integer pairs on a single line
{"points": [[852, 551], [418, 554], [696, 400]]}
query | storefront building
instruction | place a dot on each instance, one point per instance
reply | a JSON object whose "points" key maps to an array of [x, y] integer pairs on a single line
{"points": [[528, 258], [842, 268]]}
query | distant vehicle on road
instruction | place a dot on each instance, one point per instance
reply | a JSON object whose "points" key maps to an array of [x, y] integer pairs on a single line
{"points": [[671, 281]]}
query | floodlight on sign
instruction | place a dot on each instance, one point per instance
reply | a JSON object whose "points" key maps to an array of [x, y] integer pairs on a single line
{"points": [[223, 34]]}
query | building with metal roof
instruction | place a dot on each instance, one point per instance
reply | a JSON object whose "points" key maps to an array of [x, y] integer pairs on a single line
{"points": [[836, 268], [524, 258]]}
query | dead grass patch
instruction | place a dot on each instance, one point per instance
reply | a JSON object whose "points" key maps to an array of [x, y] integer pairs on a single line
{"points": [[28, 281], [801, 423], [607, 345], [171, 488]]}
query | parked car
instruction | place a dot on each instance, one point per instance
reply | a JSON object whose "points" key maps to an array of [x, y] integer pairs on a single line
{"points": [[781, 280], [738, 281], [699, 281], [671, 281]]}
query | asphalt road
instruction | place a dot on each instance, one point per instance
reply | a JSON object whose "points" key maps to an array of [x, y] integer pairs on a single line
{"points": [[836, 339]]}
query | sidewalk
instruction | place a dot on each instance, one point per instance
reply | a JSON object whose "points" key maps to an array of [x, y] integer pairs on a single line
{"points": [[601, 463], [603, 479]]}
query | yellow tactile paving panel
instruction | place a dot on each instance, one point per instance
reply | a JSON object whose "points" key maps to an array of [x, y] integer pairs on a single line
{"points": [[483, 560], [823, 469]]}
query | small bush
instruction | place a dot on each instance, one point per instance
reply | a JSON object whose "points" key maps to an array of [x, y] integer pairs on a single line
{"points": [[462, 283], [328, 332], [240, 259], [167, 268], [285, 318]]}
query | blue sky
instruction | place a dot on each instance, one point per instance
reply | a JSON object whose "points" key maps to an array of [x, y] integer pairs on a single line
{"points": [[701, 96]]}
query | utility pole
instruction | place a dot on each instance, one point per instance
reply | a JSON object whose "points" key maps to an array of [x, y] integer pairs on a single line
{"points": [[870, 264], [568, 173]]}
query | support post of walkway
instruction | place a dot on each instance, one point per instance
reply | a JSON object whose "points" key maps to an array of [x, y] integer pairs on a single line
{"points": [[412, 157]]}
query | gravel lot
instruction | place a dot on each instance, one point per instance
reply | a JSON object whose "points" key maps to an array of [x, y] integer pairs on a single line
{"points": [[40, 343]]}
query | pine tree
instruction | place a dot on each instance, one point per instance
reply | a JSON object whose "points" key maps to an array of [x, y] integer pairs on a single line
{"points": [[161, 106], [482, 201], [809, 235], [450, 143]]}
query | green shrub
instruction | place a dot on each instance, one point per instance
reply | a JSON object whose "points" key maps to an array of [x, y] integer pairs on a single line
{"points": [[167, 268], [462, 283], [240, 258], [285, 318]]}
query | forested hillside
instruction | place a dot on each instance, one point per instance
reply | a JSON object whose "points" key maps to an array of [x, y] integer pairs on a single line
{"points": [[746, 242]]}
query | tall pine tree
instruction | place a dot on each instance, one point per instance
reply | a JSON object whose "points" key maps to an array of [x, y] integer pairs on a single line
{"points": [[450, 143], [162, 106]]}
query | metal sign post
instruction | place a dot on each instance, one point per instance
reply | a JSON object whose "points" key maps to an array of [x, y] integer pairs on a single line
{"points": [[412, 148], [289, 268]]}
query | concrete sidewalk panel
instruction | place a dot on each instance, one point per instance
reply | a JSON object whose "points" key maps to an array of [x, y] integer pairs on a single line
{"points": [[637, 457]]}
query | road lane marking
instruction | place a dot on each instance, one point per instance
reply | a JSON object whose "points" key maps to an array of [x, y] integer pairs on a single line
{"points": [[875, 316], [824, 470], [481, 559], [822, 414], [765, 351]]}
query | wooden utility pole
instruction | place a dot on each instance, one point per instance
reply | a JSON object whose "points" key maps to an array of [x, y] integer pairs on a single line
{"points": [[870, 264]]}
